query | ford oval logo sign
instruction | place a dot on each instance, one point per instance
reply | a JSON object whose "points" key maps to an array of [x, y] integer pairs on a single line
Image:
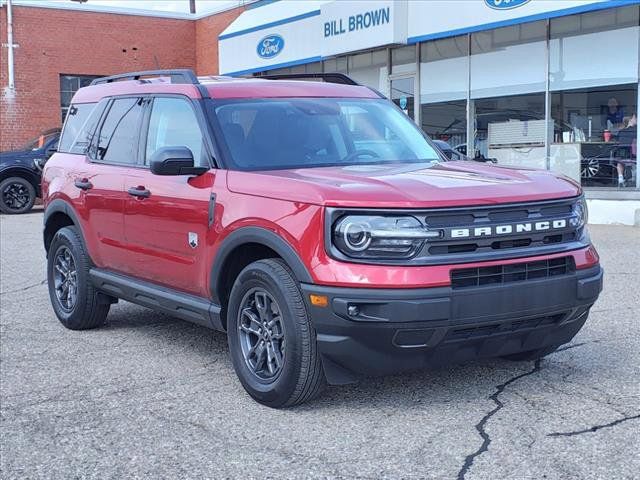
{"points": [[505, 4], [270, 46]]}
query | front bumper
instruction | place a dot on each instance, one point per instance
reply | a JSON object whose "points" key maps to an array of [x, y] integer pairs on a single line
{"points": [[406, 329]]}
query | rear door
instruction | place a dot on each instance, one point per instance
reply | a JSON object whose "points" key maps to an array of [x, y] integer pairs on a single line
{"points": [[96, 196], [167, 227]]}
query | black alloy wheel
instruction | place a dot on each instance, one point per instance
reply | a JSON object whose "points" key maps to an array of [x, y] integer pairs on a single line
{"points": [[17, 195], [65, 277], [75, 301]]}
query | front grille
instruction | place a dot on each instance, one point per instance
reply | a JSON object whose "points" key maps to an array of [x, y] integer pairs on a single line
{"points": [[498, 216], [499, 213], [514, 272]]}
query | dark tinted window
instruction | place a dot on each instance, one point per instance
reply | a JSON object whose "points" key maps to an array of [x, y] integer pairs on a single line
{"points": [[173, 123], [118, 140], [78, 130], [316, 132]]}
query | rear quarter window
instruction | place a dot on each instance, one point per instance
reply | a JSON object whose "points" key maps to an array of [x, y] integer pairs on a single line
{"points": [[80, 126]]}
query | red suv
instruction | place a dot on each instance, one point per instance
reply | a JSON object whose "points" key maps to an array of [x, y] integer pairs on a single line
{"points": [[314, 223]]}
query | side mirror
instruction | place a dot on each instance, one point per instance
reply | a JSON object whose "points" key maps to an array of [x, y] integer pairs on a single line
{"points": [[48, 153], [174, 161]]}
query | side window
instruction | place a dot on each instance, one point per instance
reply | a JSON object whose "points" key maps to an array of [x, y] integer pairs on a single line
{"points": [[79, 127], [173, 123], [118, 139]]}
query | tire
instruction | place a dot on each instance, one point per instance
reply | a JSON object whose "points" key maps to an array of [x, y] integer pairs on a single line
{"points": [[531, 354], [17, 195], [87, 308], [300, 376]]}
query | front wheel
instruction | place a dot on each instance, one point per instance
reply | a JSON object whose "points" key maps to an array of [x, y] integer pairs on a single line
{"points": [[17, 195], [272, 341]]}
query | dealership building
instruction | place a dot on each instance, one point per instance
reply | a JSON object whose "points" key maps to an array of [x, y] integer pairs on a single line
{"points": [[550, 84], [526, 83], [59, 47]]}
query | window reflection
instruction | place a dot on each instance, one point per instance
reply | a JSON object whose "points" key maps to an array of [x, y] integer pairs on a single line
{"points": [[595, 135]]}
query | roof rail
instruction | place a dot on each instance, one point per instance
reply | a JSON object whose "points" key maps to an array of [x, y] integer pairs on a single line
{"points": [[326, 77], [183, 75], [179, 75]]}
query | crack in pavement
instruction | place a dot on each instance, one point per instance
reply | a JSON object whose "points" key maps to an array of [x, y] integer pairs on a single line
{"points": [[595, 428], [480, 426], [574, 345], [569, 347], [24, 288]]}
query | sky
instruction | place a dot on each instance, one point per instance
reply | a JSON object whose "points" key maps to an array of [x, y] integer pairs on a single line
{"points": [[180, 6]]}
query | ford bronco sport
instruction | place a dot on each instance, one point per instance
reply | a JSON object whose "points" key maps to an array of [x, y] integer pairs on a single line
{"points": [[314, 223]]}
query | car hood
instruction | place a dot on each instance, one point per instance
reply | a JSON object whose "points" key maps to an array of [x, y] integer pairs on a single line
{"points": [[405, 185], [19, 156]]}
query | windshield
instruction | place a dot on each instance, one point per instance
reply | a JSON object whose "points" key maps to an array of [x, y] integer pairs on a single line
{"points": [[280, 133], [40, 141]]}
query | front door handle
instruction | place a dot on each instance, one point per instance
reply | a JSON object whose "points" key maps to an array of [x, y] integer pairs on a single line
{"points": [[139, 191], [83, 184]]}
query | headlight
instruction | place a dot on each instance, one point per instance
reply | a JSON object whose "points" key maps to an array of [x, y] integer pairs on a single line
{"points": [[368, 236], [581, 214]]}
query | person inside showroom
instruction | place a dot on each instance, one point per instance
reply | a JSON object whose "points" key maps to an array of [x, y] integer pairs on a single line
{"points": [[628, 141]]}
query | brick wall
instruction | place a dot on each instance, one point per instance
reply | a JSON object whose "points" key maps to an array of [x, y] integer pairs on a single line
{"points": [[56, 41], [207, 31]]}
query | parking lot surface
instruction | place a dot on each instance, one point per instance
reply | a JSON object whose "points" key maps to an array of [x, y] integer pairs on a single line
{"points": [[150, 396]]}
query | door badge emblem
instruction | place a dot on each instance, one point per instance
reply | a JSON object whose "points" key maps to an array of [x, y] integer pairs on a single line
{"points": [[193, 239]]}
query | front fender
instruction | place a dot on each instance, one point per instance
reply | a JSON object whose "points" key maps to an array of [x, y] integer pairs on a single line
{"points": [[268, 238]]}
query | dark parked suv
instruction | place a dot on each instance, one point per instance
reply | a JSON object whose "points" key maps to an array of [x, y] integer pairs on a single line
{"points": [[20, 172], [311, 221]]}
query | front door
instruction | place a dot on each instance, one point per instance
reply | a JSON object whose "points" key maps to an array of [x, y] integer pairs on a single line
{"points": [[167, 218]]}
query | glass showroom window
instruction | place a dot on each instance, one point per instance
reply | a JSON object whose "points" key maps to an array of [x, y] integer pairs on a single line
{"points": [[594, 96], [402, 83], [403, 60], [444, 77], [335, 65], [315, 67], [69, 85], [369, 68], [507, 94]]}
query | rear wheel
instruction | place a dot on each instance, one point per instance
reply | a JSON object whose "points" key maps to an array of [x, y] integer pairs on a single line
{"points": [[271, 338], [76, 303], [17, 195]]}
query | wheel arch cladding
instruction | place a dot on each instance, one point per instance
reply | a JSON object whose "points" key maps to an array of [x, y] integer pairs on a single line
{"points": [[57, 215], [245, 246]]}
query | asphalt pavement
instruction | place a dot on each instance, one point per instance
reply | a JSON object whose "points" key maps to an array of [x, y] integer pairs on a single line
{"points": [[150, 396]]}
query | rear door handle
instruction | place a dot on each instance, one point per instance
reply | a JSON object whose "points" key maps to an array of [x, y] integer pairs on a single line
{"points": [[140, 192], [83, 184]]}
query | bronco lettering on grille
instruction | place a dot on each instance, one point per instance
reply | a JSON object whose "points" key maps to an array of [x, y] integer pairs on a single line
{"points": [[508, 229]]}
